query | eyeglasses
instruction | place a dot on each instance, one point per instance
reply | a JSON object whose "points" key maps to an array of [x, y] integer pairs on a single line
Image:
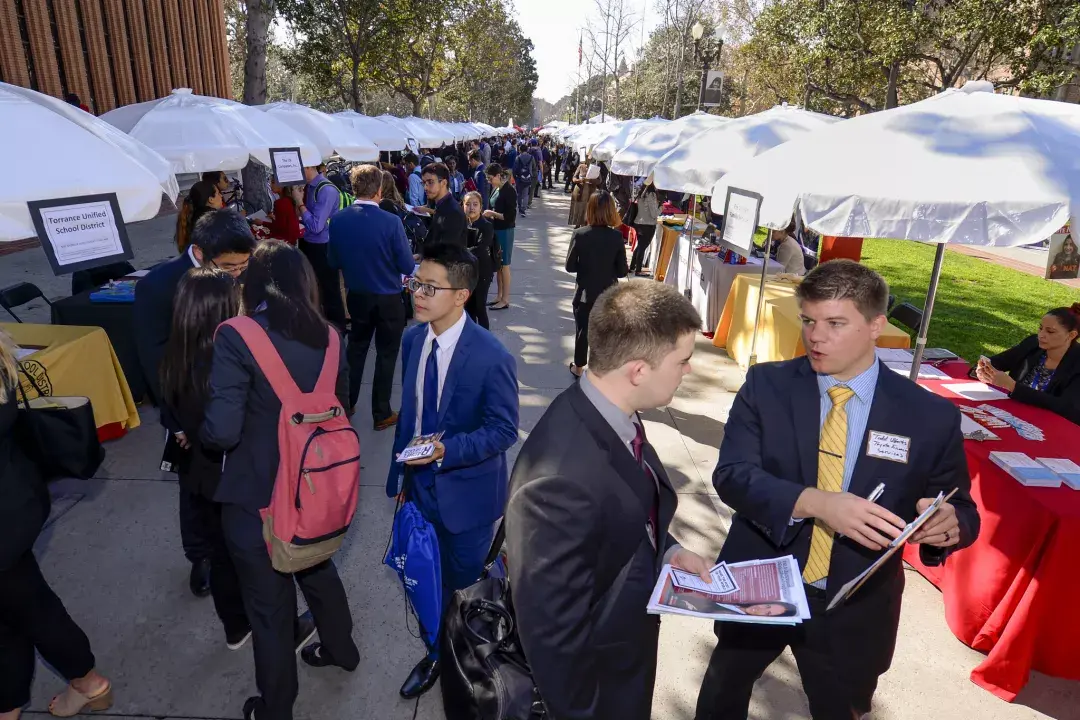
{"points": [[431, 182], [231, 267], [425, 289]]}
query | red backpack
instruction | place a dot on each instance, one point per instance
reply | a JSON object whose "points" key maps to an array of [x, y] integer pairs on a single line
{"points": [[318, 475]]}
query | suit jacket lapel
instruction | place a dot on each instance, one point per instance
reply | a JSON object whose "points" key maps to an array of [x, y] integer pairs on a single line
{"points": [[408, 387], [806, 416], [457, 365], [669, 500]]}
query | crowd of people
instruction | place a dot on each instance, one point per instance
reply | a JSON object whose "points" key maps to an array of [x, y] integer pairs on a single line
{"points": [[588, 504]]}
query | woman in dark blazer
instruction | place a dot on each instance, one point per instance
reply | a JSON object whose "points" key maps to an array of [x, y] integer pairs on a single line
{"points": [[481, 244], [32, 617], [281, 294], [1043, 369], [598, 256], [503, 217]]}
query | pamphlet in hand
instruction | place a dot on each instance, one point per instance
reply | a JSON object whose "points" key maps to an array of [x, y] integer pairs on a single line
{"points": [[722, 582], [769, 592], [855, 583], [420, 447]]}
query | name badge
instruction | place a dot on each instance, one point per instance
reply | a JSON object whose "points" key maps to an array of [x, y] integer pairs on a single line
{"points": [[888, 447]]}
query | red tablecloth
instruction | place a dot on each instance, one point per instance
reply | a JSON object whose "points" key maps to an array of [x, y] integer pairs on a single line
{"points": [[1015, 593]]}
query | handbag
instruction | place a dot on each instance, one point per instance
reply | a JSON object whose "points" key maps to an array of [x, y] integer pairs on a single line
{"points": [[59, 434]]}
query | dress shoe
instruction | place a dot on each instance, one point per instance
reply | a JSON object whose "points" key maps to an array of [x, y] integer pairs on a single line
{"points": [[387, 423], [315, 655], [421, 679], [303, 630], [199, 582], [251, 705], [237, 639]]}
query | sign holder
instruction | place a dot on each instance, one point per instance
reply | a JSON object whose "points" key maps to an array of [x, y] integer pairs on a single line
{"points": [[739, 231], [287, 167], [82, 232]]}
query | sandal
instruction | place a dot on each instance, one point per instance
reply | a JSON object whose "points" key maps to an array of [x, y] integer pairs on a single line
{"points": [[504, 307], [71, 702]]}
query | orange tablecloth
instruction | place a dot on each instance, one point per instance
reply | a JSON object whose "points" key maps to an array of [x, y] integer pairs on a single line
{"points": [[1013, 594], [780, 334]]}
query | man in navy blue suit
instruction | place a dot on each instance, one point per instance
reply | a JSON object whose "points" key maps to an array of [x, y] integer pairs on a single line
{"points": [[457, 379]]}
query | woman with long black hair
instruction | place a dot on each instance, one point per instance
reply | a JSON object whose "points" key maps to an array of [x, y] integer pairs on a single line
{"points": [[203, 197], [205, 298], [282, 296], [32, 617]]}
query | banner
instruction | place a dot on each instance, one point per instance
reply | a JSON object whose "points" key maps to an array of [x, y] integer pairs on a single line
{"points": [[714, 88], [1063, 260]]}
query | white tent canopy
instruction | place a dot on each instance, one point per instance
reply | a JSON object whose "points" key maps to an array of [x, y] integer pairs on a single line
{"points": [[330, 134], [615, 141], [696, 164], [602, 118], [638, 158], [387, 137], [105, 161], [966, 166], [197, 133]]}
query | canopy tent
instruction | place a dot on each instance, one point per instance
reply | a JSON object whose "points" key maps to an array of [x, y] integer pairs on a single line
{"points": [[585, 137], [329, 133], [387, 137], [428, 133], [696, 164], [638, 158], [606, 148], [966, 166], [602, 118], [197, 133], [108, 160]]}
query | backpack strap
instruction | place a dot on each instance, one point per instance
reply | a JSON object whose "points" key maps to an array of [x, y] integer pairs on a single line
{"points": [[266, 356], [327, 382]]}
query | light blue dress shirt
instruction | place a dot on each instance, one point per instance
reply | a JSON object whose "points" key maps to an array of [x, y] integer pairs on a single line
{"points": [[858, 412]]}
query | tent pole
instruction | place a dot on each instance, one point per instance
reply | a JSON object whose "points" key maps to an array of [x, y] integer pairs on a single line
{"points": [[760, 299], [690, 250], [928, 308]]}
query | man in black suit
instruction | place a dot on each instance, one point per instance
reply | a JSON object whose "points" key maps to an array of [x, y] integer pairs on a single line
{"points": [[448, 222], [806, 442], [589, 510], [221, 239]]}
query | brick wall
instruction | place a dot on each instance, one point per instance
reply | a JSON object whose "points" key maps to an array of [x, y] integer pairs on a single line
{"points": [[114, 52]]}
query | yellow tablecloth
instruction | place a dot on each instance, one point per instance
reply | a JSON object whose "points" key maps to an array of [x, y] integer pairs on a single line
{"points": [[780, 334], [76, 361]]}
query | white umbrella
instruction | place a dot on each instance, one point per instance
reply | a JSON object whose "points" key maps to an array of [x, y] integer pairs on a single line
{"points": [[638, 158], [415, 136], [428, 133], [330, 134], [389, 137], [197, 133], [966, 166], [108, 161], [604, 150], [602, 118], [696, 164]]}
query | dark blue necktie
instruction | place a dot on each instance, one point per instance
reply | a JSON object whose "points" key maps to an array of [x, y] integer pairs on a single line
{"points": [[430, 417]]}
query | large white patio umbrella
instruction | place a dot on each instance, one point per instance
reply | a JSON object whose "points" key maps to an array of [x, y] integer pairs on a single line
{"points": [[606, 148], [330, 134], [638, 158], [429, 133], [696, 164], [416, 137], [389, 137], [966, 166], [198, 133], [45, 137]]}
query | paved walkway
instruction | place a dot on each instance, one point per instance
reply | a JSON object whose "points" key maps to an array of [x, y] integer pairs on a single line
{"points": [[112, 551]]}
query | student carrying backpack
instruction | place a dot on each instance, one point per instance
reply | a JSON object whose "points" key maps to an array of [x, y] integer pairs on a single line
{"points": [[345, 199]]}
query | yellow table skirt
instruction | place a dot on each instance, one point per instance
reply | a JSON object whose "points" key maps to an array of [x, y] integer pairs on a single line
{"points": [[780, 333], [76, 361]]}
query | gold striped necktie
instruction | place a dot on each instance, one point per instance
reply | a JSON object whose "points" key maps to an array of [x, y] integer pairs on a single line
{"points": [[830, 478]]}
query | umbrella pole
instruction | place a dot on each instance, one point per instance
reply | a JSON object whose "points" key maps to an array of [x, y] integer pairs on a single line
{"points": [[928, 308], [689, 250], [760, 299]]}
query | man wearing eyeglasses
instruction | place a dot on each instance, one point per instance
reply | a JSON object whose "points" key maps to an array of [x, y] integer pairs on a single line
{"points": [[458, 380], [448, 220]]}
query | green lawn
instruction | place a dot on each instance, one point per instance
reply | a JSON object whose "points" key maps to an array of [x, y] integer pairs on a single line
{"points": [[981, 308]]}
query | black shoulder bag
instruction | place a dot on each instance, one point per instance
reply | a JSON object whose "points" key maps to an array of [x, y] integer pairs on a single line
{"points": [[59, 434]]}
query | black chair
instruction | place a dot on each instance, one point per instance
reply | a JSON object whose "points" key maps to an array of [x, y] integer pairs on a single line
{"points": [[19, 294], [907, 314], [892, 301], [92, 279]]}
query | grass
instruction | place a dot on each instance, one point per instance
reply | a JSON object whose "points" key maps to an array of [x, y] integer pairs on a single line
{"points": [[981, 308]]}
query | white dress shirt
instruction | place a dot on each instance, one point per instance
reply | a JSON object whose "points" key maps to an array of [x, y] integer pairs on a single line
{"points": [[191, 255], [448, 341]]}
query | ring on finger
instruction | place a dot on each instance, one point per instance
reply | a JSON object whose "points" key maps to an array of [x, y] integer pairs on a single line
{"points": [[947, 536]]}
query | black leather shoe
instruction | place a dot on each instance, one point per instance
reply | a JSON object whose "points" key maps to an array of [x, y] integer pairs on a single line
{"points": [[199, 582], [303, 630], [421, 679], [251, 705], [315, 655]]}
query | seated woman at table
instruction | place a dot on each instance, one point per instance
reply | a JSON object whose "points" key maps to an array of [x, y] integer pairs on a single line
{"points": [[1044, 369], [788, 250], [203, 197]]}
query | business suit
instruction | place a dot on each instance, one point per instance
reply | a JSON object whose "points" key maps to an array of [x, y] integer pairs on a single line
{"points": [[598, 255], [578, 511], [448, 223], [487, 252], [153, 313], [769, 456], [1062, 394], [465, 493]]}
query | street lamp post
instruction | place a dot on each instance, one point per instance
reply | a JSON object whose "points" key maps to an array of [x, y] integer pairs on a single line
{"points": [[707, 51]]}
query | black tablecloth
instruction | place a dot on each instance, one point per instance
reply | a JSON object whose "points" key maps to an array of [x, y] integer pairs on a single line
{"points": [[118, 322]]}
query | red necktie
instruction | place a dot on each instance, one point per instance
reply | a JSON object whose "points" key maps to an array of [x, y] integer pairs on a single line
{"points": [[637, 444]]}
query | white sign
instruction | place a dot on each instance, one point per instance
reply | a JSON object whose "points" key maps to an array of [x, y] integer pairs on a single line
{"points": [[741, 219], [287, 166], [81, 232], [714, 89]]}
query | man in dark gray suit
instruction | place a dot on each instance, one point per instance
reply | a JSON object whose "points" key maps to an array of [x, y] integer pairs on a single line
{"points": [[590, 506]]}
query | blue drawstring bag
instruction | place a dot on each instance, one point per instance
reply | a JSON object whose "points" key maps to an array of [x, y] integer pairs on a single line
{"points": [[414, 556]]}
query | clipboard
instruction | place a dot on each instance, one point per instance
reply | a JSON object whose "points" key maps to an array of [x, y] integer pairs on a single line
{"points": [[853, 585]]}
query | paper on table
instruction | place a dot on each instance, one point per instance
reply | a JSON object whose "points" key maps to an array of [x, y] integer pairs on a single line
{"points": [[21, 352], [888, 355], [974, 431], [722, 581], [849, 588], [260, 215], [976, 391], [926, 372], [138, 274]]}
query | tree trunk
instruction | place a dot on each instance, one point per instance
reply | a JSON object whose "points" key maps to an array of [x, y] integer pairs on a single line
{"points": [[416, 104], [259, 15], [891, 99]]}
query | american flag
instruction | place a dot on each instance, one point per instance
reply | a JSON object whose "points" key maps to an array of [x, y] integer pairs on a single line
{"points": [[579, 50]]}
